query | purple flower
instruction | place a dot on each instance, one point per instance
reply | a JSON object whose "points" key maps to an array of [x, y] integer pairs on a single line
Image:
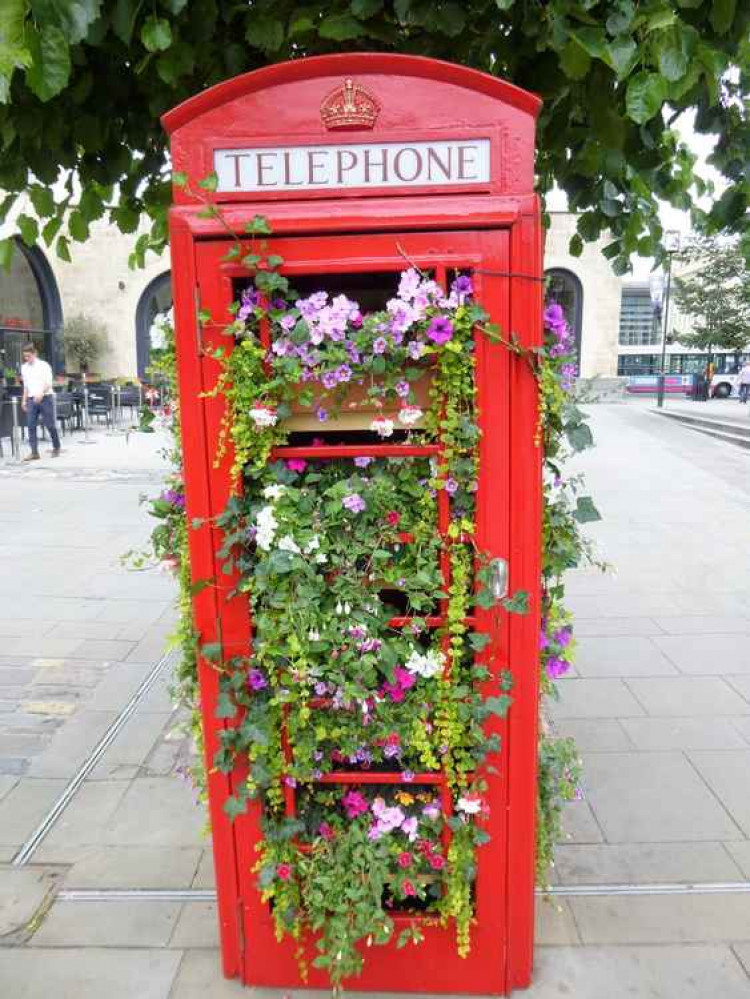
{"points": [[451, 487], [407, 776], [362, 462], [402, 389], [321, 414], [256, 680], [321, 689], [279, 304], [174, 498], [557, 667], [329, 379], [563, 636], [354, 503], [440, 330], [290, 781], [288, 322], [463, 285], [380, 345], [390, 751], [343, 373], [415, 349]]}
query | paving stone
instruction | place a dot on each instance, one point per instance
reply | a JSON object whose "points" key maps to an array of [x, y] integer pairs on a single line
{"points": [[83, 629], [15, 767], [63, 674], [68, 973], [198, 926], [22, 892], [132, 746], [204, 876], [683, 733], [621, 656], [579, 824], [703, 624], [124, 611], [742, 950], [15, 678], [740, 852], [81, 825], [707, 654], [615, 627], [41, 645], [554, 923], [19, 744], [73, 744], [7, 783], [50, 709], [174, 818], [653, 798], [741, 684], [99, 649], [662, 918], [131, 923], [644, 863], [24, 806], [200, 977], [115, 687], [682, 696], [589, 698], [135, 867], [728, 775]]}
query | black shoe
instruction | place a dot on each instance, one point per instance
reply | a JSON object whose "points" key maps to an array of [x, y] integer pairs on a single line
{"points": [[34, 456], [55, 452]]}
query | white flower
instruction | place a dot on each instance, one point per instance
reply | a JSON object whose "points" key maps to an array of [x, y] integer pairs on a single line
{"points": [[470, 804], [273, 492], [288, 544], [347, 608], [265, 525], [409, 415], [382, 427], [321, 558], [426, 664], [262, 416], [312, 545], [313, 635], [339, 607]]}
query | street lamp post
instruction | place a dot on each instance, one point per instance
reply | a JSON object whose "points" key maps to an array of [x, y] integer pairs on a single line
{"points": [[671, 246]]}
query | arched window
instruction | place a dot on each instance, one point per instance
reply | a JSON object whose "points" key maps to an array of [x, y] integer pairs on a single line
{"points": [[565, 288], [156, 298], [30, 308]]}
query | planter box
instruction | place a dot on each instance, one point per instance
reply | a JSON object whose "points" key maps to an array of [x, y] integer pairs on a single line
{"points": [[354, 409]]}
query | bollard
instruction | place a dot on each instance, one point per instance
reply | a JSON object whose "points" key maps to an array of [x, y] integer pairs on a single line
{"points": [[15, 438], [86, 417]]}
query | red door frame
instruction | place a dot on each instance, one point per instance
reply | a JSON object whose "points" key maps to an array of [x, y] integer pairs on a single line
{"points": [[497, 231]]}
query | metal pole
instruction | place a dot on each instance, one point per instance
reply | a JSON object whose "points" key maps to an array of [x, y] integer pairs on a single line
{"points": [[86, 416], [665, 327], [15, 444]]}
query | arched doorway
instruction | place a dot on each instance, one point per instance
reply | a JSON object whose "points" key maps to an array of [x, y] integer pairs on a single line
{"points": [[563, 287], [156, 298], [30, 309]]}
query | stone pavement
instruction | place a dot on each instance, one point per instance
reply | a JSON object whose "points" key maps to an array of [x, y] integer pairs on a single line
{"points": [[660, 705]]}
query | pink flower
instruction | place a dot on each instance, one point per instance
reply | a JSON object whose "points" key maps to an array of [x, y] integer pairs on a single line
{"points": [[437, 863], [408, 888], [326, 831], [284, 871], [404, 859], [296, 464], [393, 517], [355, 804]]}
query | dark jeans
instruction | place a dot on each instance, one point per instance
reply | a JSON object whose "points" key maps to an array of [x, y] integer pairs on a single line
{"points": [[744, 391], [44, 409]]}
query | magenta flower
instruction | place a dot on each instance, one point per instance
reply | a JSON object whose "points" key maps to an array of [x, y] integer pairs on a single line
{"points": [[405, 859], [256, 680], [440, 330], [296, 464], [284, 871], [355, 804], [326, 831], [557, 667]]}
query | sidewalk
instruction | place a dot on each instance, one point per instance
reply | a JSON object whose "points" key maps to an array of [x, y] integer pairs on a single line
{"points": [[660, 705]]}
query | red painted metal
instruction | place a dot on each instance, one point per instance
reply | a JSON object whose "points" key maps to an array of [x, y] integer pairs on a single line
{"points": [[490, 229]]}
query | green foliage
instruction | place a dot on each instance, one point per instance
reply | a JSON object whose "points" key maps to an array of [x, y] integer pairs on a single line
{"points": [[84, 339], [83, 83], [713, 293]]}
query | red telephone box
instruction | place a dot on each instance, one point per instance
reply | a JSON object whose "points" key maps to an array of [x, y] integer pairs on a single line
{"points": [[361, 162]]}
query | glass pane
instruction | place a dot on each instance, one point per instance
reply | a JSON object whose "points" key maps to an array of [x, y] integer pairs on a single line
{"points": [[20, 301]]}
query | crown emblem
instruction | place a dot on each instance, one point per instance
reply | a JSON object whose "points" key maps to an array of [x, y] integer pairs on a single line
{"points": [[349, 106]]}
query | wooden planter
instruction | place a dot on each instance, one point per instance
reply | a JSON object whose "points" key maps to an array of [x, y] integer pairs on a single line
{"points": [[356, 410]]}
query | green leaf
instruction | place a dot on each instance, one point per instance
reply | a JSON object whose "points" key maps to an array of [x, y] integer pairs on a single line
{"points": [[478, 641], [497, 705], [575, 60], [43, 200], [123, 18], [593, 41], [225, 706], [579, 436], [623, 55], [211, 651], [62, 249], [49, 71], [504, 4], [174, 6], [274, 260], [156, 34], [621, 19], [13, 51], [28, 228], [673, 58], [258, 226], [265, 32], [51, 229], [585, 512], [722, 15], [7, 249], [72, 17], [366, 8], [210, 182], [234, 807], [78, 226], [341, 27], [645, 95], [575, 246], [518, 603]]}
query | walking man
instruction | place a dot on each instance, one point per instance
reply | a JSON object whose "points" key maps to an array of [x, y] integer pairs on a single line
{"points": [[37, 400]]}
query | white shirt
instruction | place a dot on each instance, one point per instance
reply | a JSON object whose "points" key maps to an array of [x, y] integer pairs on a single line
{"points": [[37, 378], [744, 378]]}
